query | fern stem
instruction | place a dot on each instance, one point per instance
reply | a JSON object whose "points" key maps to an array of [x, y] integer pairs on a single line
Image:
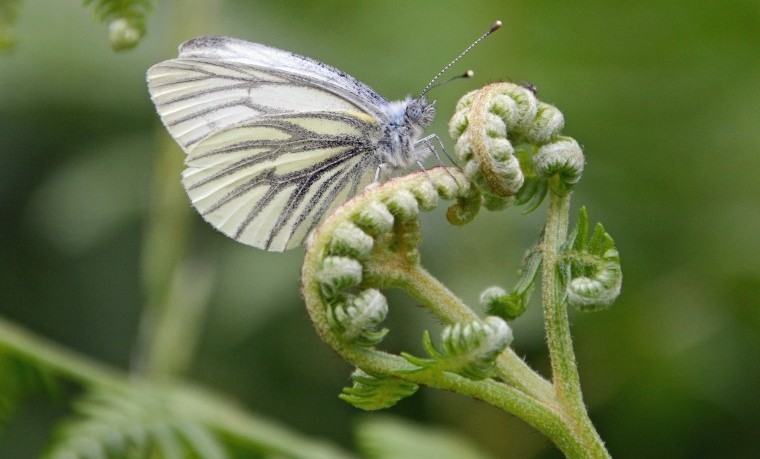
{"points": [[559, 340], [442, 302], [46, 354]]}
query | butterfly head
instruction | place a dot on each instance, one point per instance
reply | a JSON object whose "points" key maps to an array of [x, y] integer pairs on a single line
{"points": [[419, 112]]}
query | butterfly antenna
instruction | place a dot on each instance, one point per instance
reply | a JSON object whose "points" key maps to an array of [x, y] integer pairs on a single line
{"points": [[467, 74], [496, 25]]}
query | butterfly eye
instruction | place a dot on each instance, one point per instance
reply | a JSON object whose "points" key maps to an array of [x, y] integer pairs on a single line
{"points": [[414, 111], [420, 112]]}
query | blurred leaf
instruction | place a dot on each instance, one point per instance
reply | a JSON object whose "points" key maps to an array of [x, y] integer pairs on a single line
{"points": [[18, 380], [392, 438], [8, 15], [135, 423], [86, 200]]}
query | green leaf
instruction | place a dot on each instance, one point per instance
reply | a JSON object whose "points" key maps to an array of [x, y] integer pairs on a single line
{"points": [[383, 437], [355, 320], [376, 392], [18, 380]]}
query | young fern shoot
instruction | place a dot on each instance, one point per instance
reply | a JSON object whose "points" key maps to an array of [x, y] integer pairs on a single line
{"points": [[513, 154]]}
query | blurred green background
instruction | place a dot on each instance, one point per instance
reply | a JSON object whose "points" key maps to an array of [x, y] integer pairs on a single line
{"points": [[664, 97]]}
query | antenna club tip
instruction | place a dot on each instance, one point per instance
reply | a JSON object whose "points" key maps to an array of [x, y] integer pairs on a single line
{"points": [[496, 26], [469, 74]]}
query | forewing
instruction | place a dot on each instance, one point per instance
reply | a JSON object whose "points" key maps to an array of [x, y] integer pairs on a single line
{"points": [[255, 55], [274, 140], [269, 181], [217, 82]]}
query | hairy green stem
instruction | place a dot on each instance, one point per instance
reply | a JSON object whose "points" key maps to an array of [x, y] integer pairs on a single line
{"points": [[564, 368], [564, 371], [524, 393], [429, 291], [394, 263], [545, 416]]}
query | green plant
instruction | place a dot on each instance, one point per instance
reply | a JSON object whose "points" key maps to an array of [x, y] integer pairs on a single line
{"points": [[513, 153], [125, 18]]}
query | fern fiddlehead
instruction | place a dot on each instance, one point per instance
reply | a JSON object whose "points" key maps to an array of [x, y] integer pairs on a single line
{"points": [[513, 154]]}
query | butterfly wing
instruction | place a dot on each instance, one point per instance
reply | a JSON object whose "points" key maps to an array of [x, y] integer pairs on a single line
{"points": [[219, 81], [274, 140]]}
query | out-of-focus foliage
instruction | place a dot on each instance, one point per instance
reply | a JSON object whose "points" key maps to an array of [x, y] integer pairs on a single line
{"points": [[19, 381], [383, 437], [131, 424], [8, 15], [125, 18], [662, 96]]}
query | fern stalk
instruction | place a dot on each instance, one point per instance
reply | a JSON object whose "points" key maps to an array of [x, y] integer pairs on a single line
{"points": [[559, 340]]}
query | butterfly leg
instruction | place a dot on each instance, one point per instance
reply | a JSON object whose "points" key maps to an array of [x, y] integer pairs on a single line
{"points": [[379, 171], [422, 166], [426, 141]]}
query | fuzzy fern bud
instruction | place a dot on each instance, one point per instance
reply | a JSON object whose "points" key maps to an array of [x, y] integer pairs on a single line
{"points": [[480, 128], [375, 218], [426, 195], [349, 240], [465, 209], [403, 205], [510, 145], [339, 273], [469, 349], [591, 268], [547, 124], [356, 320], [487, 126], [448, 188], [563, 157], [497, 302]]}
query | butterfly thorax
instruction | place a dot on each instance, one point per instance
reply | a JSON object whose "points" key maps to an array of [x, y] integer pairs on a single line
{"points": [[407, 119]]}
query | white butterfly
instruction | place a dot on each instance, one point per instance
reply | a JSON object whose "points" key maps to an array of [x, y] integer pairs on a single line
{"points": [[275, 140]]}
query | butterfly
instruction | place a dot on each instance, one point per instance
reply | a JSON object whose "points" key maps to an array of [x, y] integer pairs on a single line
{"points": [[274, 140]]}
